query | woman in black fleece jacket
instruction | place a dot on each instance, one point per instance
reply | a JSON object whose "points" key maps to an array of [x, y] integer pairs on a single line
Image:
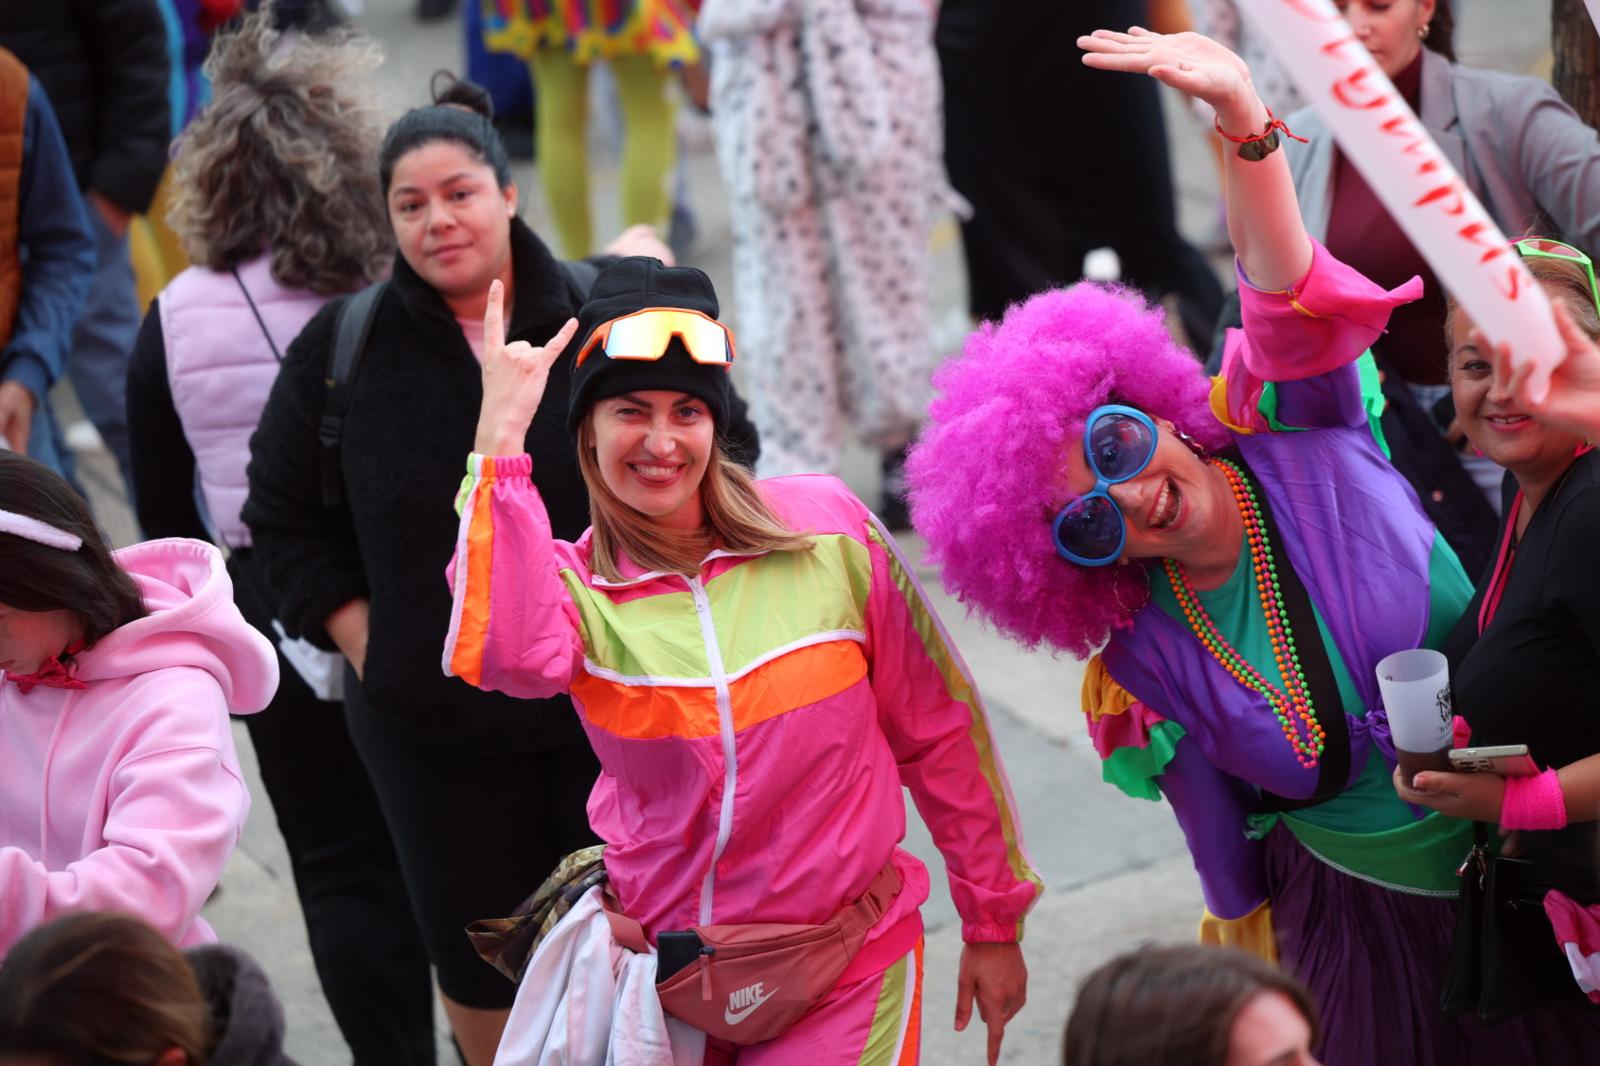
{"points": [[483, 793]]}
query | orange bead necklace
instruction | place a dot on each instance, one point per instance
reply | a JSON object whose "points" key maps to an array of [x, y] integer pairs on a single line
{"points": [[1292, 704]]}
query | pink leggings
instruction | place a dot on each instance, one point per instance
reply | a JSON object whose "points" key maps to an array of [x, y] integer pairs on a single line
{"points": [[873, 1022]]}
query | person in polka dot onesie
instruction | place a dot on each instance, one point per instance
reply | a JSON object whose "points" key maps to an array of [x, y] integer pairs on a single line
{"points": [[827, 115]]}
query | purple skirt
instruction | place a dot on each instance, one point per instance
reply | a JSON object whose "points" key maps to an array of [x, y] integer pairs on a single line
{"points": [[1375, 959]]}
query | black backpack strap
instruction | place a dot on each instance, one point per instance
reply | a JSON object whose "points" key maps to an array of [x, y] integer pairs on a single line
{"points": [[350, 333], [1333, 768], [580, 275]]}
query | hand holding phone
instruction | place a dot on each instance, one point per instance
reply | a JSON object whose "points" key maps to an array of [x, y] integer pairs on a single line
{"points": [[1507, 760]]}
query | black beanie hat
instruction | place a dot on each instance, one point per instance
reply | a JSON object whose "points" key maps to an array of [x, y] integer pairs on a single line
{"points": [[633, 284]]}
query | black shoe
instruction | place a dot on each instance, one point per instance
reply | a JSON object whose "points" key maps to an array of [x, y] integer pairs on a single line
{"points": [[434, 10], [894, 511]]}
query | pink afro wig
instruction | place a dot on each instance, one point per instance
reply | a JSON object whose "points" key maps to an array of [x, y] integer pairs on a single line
{"points": [[983, 473]]}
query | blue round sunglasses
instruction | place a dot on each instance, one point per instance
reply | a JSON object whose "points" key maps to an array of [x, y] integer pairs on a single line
{"points": [[1118, 443]]}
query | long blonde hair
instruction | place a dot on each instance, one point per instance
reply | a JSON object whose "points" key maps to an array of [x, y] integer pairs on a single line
{"points": [[737, 519]]}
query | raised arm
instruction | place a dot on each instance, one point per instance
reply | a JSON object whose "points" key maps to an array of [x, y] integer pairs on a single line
{"points": [[513, 626], [1300, 360], [1263, 214], [1307, 317]]}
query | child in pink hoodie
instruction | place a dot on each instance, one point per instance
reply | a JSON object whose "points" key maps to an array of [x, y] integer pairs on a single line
{"points": [[119, 787]]}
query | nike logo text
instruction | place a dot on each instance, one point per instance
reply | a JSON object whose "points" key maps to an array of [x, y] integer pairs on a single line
{"points": [[743, 1002]]}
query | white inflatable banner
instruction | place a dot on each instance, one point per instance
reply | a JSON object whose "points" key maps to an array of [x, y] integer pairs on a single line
{"points": [[1383, 137]]}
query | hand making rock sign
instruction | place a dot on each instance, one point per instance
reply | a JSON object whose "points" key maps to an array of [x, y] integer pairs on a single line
{"points": [[514, 378]]}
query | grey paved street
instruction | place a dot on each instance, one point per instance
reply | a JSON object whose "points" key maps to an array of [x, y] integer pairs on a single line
{"points": [[1117, 870]]}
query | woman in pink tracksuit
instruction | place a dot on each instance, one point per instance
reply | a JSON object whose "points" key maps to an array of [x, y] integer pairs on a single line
{"points": [[119, 788], [754, 663]]}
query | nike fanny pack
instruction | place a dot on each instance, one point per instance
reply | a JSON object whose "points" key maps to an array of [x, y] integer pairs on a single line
{"points": [[750, 982]]}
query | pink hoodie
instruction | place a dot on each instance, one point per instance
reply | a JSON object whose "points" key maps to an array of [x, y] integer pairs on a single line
{"points": [[126, 795]]}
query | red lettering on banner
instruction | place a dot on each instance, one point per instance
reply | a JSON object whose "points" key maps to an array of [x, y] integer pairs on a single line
{"points": [[1333, 48], [1360, 86], [1513, 287], [1442, 192], [1345, 88], [1475, 231], [1403, 126], [1419, 144]]}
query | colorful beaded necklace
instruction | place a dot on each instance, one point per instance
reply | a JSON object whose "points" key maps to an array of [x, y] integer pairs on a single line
{"points": [[1292, 704]]}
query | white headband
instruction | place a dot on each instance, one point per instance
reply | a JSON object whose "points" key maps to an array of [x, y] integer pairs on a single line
{"points": [[39, 532]]}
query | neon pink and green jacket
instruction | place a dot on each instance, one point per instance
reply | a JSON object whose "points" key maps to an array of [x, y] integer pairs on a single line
{"points": [[754, 723]]}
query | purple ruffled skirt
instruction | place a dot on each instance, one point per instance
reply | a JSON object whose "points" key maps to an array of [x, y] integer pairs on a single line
{"points": [[1375, 958]]}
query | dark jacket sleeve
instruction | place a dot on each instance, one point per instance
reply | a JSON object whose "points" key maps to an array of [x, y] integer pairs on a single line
{"points": [[163, 462], [132, 122], [58, 253], [307, 552]]}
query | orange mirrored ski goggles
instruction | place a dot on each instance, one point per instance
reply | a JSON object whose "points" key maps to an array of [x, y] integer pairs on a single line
{"points": [[645, 335]]}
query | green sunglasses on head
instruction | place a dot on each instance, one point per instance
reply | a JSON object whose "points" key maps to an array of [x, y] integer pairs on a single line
{"points": [[1549, 248]]}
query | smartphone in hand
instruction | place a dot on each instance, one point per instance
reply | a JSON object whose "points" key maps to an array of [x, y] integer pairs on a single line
{"points": [[1507, 760]]}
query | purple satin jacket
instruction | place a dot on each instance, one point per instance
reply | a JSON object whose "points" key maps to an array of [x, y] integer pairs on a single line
{"points": [[1355, 534]]}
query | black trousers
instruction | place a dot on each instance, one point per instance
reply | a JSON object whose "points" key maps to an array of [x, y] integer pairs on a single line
{"points": [[364, 940], [476, 831], [1058, 159]]}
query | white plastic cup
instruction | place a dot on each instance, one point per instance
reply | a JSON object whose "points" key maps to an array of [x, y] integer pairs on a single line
{"points": [[1416, 692]]}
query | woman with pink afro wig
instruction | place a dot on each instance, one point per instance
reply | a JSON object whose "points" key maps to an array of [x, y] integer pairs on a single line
{"points": [[1237, 557], [985, 475]]}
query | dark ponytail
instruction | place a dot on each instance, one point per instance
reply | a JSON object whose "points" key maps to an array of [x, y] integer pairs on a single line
{"points": [[460, 113]]}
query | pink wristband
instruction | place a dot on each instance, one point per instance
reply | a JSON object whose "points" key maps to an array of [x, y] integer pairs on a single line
{"points": [[1533, 803]]}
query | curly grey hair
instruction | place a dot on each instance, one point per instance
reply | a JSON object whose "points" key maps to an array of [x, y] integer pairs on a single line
{"points": [[284, 160]]}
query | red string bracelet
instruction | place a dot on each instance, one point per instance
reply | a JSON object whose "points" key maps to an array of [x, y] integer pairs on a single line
{"points": [[1266, 140]]}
